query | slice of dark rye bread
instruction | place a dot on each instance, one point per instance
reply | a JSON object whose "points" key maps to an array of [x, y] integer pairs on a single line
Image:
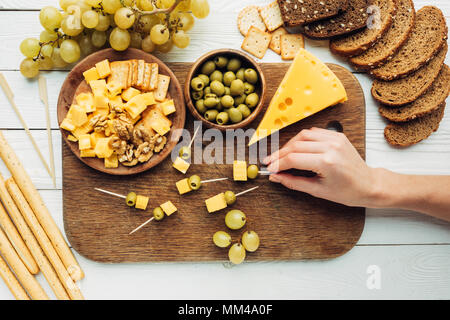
{"points": [[359, 42], [412, 132], [298, 12], [353, 19], [405, 90], [427, 37], [391, 41], [428, 102]]}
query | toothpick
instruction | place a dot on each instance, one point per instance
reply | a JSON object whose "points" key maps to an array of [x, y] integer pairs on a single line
{"points": [[265, 173], [246, 191], [214, 180], [9, 94], [111, 193], [193, 138], [43, 93], [142, 225]]}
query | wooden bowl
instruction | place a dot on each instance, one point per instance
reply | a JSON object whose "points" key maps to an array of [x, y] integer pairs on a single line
{"points": [[247, 62], [75, 83]]}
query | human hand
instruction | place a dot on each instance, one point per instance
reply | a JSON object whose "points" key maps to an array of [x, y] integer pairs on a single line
{"points": [[342, 175]]}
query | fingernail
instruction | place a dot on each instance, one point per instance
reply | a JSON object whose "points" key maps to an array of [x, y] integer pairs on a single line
{"points": [[266, 160], [274, 178]]}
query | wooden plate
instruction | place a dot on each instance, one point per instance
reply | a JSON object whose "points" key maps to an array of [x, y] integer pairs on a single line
{"points": [[75, 83]]}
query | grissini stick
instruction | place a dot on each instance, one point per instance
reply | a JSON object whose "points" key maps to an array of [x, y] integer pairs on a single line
{"points": [[11, 282], [37, 204], [42, 261], [24, 276], [17, 242], [71, 288]]}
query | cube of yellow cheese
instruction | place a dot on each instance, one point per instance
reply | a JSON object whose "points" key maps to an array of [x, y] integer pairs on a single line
{"points": [[91, 75], [114, 89], [86, 100], [168, 107], [216, 203], [89, 153], [240, 170], [84, 142], [67, 124], [101, 102], [168, 208], [72, 138], [112, 162], [95, 137], [130, 93], [142, 202], [102, 148], [98, 87], [103, 69], [181, 165], [139, 103], [157, 120], [183, 186], [78, 115]]}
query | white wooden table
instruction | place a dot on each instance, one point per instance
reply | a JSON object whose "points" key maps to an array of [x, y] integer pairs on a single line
{"points": [[412, 251]]}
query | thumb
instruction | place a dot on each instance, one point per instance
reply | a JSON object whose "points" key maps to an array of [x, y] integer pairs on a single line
{"points": [[302, 184]]}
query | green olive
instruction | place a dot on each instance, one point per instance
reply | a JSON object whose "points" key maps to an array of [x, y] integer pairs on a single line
{"points": [[222, 118], [158, 214], [219, 106], [227, 101], [252, 100], [216, 76], [251, 76], [211, 101], [227, 91], [207, 90], [131, 199], [204, 78], [200, 106], [221, 61], [195, 182], [217, 88], [237, 87], [211, 115], [240, 99], [248, 88], [252, 171], [197, 95], [244, 110], [228, 77], [233, 65], [235, 115], [208, 68], [197, 84], [185, 153], [230, 197], [241, 74]]}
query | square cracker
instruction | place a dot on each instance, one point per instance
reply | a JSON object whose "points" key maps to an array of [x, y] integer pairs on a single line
{"points": [[140, 74], [154, 77], [119, 73], [134, 72], [256, 42], [163, 87], [290, 45], [275, 43], [249, 16], [147, 76], [271, 16]]}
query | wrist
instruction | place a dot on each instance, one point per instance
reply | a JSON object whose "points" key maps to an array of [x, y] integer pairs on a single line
{"points": [[382, 194]]}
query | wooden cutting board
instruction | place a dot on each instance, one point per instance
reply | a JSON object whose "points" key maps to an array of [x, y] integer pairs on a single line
{"points": [[291, 225]]}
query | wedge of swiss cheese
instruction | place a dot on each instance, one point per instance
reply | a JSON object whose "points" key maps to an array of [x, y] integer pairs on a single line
{"points": [[308, 87]]}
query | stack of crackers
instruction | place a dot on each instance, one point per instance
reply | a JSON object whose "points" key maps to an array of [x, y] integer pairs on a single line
{"points": [[263, 28]]}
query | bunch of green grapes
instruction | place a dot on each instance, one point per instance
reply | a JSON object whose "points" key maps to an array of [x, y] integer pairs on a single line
{"points": [[84, 26]]}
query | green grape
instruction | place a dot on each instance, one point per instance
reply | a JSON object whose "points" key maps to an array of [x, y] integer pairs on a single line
{"points": [[50, 18], [93, 3], [119, 39], [83, 6], [221, 239], [250, 241], [164, 4], [71, 26], [235, 219], [98, 38], [181, 39], [64, 4], [236, 254], [30, 47], [104, 21], [148, 45], [159, 34], [29, 68], [47, 50], [147, 22], [124, 18], [86, 45], [70, 51], [58, 62], [200, 8], [136, 40], [184, 5], [186, 21], [145, 5], [166, 47], [90, 19], [45, 63], [111, 6], [47, 36]]}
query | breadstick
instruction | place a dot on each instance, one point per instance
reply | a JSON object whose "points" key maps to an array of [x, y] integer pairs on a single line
{"points": [[17, 242], [30, 240], [11, 281], [68, 283], [24, 276], [40, 210]]}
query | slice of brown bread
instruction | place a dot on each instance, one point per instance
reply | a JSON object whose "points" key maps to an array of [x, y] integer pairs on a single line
{"points": [[359, 42], [353, 19], [403, 91], [298, 12], [412, 132], [427, 37], [430, 101]]}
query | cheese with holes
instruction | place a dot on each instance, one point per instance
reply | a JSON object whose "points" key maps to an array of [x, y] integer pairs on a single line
{"points": [[167, 107], [216, 203], [86, 100], [139, 103], [308, 87], [240, 170], [103, 69]]}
